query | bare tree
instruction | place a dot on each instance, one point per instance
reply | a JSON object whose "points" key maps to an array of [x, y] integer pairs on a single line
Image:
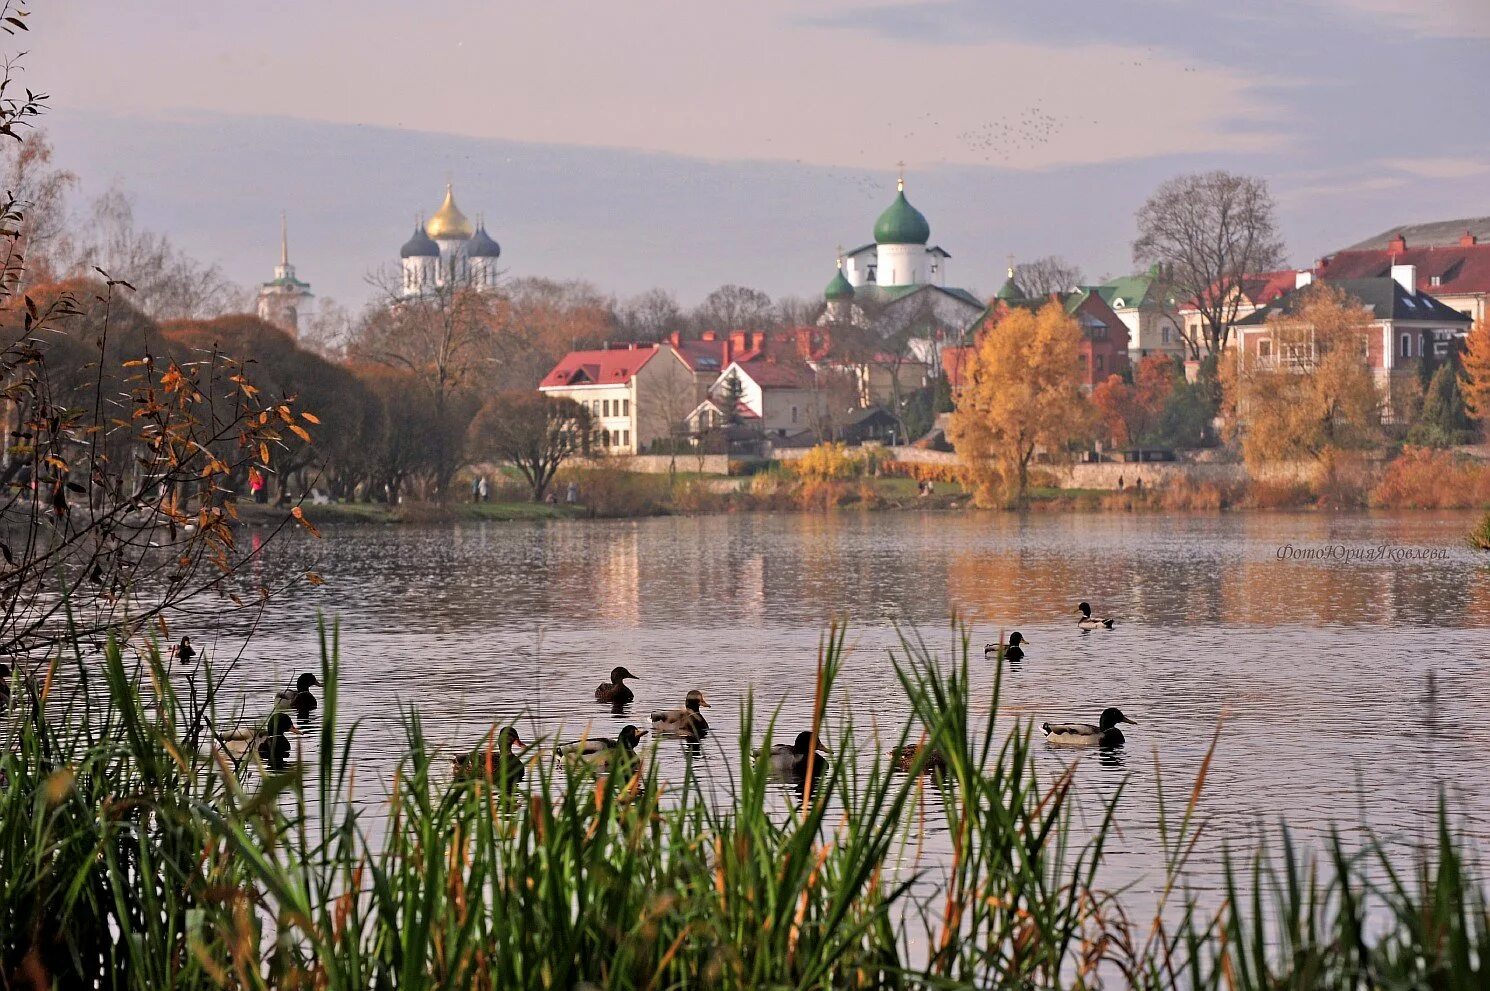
{"points": [[732, 307], [168, 284], [650, 316], [444, 338], [542, 320], [329, 330], [1047, 275], [40, 192], [796, 311], [1207, 233]]}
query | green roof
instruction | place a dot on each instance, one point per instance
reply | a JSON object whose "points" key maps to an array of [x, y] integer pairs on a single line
{"points": [[1131, 289], [296, 283], [901, 223], [838, 288], [1010, 290]]}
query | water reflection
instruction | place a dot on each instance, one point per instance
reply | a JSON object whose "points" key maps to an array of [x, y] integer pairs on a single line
{"points": [[1315, 669]]}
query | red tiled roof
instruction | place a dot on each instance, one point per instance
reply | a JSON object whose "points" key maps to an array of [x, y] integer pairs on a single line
{"points": [[775, 375], [1261, 288], [608, 366], [1459, 268], [1265, 287]]}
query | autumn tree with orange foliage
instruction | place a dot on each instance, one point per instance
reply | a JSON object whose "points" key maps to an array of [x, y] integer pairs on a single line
{"points": [[1022, 394], [1475, 368], [285, 371], [1129, 412], [1317, 397]]}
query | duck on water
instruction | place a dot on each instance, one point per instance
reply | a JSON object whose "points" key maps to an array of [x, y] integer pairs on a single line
{"points": [[602, 751], [299, 698], [1088, 622], [1104, 734], [615, 691], [1012, 652], [687, 721], [494, 762], [792, 760]]}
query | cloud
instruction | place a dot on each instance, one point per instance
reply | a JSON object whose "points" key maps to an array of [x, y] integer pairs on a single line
{"points": [[1439, 168], [742, 81], [1435, 19]]}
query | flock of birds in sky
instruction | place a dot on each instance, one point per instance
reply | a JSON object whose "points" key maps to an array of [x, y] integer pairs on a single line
{"points": [[498, 759]]}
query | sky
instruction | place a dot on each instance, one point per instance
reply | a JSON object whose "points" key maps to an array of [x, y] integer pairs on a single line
{"points": [[687, 144]]}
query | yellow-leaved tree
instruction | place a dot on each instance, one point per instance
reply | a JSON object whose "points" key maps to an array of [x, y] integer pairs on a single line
{"points": [[1314, 396], [1475, 367], [1022, 393]]}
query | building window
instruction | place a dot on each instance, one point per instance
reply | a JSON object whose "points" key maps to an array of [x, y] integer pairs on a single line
{"points": [[605, 438], [1100, 366], [1164, 334], [1407, 345], [625, 407], [625, 438], [794, 414], [1436, 280], [1264, 349]]}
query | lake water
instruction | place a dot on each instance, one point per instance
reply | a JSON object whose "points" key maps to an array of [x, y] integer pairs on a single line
{"points": [[1315, 668]]}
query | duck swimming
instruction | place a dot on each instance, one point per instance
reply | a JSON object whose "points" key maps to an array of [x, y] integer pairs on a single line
{"points": [[615, 690], [1104, 734], [687, 721], [184, 651], [601, 751], [793, 760], [1012, 652], [1086, 622], [904, 759], [270, 741], [494, 762], [299, 698]]}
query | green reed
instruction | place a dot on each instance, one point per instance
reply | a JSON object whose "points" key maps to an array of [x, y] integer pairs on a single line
{"points": [[134, 854]]}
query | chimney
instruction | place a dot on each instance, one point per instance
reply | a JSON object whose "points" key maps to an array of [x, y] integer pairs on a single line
{"points": [[1302, 278], [1468, 240], [737, 340], [707, 335], [676, 338], [1406, 276], [1398, 244]]}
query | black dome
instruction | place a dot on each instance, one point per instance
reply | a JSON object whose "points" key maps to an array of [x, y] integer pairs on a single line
{"points": [[421, 245], [481, 245]]}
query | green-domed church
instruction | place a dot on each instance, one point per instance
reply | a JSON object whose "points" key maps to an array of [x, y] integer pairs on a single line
{"points": [[897, 283]]}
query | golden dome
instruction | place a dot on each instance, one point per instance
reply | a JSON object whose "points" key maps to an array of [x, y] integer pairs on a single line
{"points": [[448, 221]]}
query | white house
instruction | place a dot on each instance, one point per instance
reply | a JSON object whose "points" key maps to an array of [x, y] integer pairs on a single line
{"points": [[779, 398], [637, 393]]}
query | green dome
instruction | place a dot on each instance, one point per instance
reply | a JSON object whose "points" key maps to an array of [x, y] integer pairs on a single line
{"points": [[1009, 292], [901, 223], [838, 289]]}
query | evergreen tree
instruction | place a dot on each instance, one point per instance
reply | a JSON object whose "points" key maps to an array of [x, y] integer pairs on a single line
{"points": [[1443, 421], [731, 399]]}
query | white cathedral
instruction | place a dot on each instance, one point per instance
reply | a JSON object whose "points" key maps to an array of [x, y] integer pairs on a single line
{"points": [[897, 285], [448, 250]]}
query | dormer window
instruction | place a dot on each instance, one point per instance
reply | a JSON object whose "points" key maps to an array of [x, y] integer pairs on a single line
{"points": [[1436, 280]]}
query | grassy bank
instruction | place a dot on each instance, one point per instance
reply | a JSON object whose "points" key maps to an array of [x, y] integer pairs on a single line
{"points": [[134, 854]]}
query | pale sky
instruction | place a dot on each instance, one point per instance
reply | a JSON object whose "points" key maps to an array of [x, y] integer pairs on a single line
{"points": [[685, 144]]}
